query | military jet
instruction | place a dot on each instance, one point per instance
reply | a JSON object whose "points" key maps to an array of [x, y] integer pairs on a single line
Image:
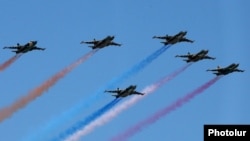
{"points": [[25, 48], [107, 41], [179, 37], [196, 57], [224, 71], [126, 92]]}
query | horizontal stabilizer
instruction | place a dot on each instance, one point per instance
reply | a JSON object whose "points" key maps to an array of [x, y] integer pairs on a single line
{"points": [[217, 74], [116, 96]]}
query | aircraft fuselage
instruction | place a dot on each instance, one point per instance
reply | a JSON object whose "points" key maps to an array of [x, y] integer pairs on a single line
{"points": [[127, 91], [24, 49], [177, 38], [199, 56], [233, 66], [105, 42]]}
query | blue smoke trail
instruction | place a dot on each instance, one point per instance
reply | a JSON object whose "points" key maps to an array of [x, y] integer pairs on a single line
{"points": [[79, 125], [75, 110]]}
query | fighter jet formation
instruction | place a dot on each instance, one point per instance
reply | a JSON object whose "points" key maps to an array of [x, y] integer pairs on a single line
{"points": [[24, 48], [107, 41], [179, 37], [116, 93], [126, 92], [168, 40], [196, 57]]}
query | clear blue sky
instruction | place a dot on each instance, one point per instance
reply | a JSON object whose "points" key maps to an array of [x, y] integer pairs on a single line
{"points": [[59, 26]]}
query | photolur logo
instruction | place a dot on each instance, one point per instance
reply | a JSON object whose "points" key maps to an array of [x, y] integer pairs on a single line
{"points": [[234, 132]]}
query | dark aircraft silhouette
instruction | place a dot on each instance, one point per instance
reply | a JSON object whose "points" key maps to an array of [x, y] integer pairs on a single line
{"points": [[196, 57], [179, 37], [126, 92], [224, 71], [25, 48], [102, 43]]}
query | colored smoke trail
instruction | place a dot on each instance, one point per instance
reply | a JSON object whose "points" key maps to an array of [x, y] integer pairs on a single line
{"points": [[153, 118], [123, 106], [54, 123], [87, 120], [32, 95], [9, 62]]}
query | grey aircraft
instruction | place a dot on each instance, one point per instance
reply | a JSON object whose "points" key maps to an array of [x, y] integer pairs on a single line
{"points": [[126, 92], [179, 37], [196, 57], [107, 41], [224, 71], [25, 48]]}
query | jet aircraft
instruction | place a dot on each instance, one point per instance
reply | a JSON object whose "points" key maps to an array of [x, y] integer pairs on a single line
{"points": [[224, 71], [196, 57], [107, 41], [179, 37], [25, 48], [126, 92]]}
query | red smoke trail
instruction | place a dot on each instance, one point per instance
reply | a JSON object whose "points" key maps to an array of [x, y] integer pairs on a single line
{"points": [[32, 95], [139, 126], [9, 62]]}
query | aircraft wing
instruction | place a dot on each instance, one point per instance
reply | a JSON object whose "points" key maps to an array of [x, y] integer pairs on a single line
{"points": [[163, 37], [239, 70], [113, 91], [186, 40], [12, 47], [135, 92], [38, 48], [115, 44], [213, 69], [90, 42], [184, 56], [160, 37], [208, 57]]}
